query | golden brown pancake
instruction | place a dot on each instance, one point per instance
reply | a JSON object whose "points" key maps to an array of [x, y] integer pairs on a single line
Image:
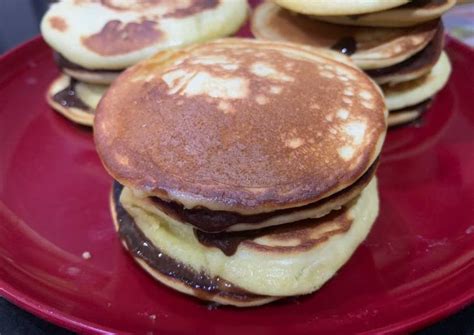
{"points": [[369, 48], [410, 14], [240, 125], [414, 67], [219, 221]]}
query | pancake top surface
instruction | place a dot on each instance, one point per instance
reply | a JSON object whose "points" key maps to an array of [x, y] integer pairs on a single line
{"points": [[413, 13], [371, 44], [339, 7], [114, 34], [241, 125]]}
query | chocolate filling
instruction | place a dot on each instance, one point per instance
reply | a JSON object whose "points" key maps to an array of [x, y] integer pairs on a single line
{"points": [[228, 242], [429, 55], [421, 107], [425, 4], [218, 221], [204, 286], [419, 120], [346, 45], [65, 63], [69, 98]]}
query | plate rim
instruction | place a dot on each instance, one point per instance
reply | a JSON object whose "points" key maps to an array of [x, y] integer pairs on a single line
{"points": [[64, 319]]}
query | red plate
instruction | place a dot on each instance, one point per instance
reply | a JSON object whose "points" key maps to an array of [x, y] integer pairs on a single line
{"points": [[415, 267]]}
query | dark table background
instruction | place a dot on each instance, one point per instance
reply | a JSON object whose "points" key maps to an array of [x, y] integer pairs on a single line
{"points": [[19, 21]]}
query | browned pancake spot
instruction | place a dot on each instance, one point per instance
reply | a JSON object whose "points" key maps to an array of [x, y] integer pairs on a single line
{"points": [[121, 5], [117, 38], [58, 23], [194, 7], [175, 9]]}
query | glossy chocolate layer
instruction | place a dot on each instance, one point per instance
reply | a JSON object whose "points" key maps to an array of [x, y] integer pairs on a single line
{"points": [[424, 4], [428, 56], [141, 247], [65, 63], [228, 242], [218, 221], [69, 98], [346, 45]]}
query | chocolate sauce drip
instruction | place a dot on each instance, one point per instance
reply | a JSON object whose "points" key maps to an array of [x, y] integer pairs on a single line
{"points": [[218, 221], [430, 54], [68, 97], [346, 45], [227, 242], [141, 247]]}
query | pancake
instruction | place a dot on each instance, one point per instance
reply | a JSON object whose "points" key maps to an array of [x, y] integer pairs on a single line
{"points": [[414, 67], [225, 125], [413, 13], [339, 7], [413, 92], [101, 77], [407, 115], [369, 48], [114, 34], [266, 264], [219, 221], [75, 100]]}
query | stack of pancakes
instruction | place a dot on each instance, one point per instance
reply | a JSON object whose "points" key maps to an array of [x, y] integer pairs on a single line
{"points": [[244, 169], [96, 40], [399, 43]]}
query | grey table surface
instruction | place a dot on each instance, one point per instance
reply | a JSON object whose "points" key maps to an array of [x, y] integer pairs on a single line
{"points": [[19, 21]]}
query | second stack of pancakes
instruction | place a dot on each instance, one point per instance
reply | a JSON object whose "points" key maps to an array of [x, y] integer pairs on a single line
{"points": [[398, 43]]}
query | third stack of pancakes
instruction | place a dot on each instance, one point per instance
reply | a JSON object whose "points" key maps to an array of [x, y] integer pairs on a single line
{"points": [[398, 43], [244, 169]]}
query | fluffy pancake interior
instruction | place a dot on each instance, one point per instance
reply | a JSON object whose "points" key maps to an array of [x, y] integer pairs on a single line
{"points": [[90, 93], [291, 263]]}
